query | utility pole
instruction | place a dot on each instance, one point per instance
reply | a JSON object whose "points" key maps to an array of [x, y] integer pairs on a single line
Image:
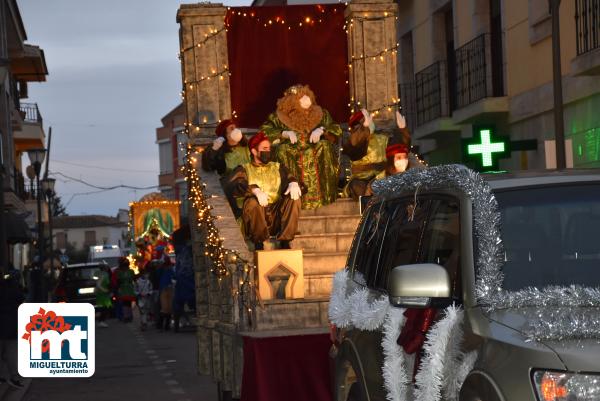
{"points": [[559, 126]]}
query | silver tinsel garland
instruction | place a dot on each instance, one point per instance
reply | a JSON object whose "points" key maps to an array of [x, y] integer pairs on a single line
{"points": [[489, 250], [559, 324]]}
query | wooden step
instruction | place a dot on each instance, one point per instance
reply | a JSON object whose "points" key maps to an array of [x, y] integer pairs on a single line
{"points": [[324, 263], [343, 206], [318, 243], [318, 286], [327, 224]]}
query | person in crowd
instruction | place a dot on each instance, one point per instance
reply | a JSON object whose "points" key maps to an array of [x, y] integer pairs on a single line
{"points": [[272, 196], [126, 293], [143, 291], [185, 286], [166, 276], [305, 135], [11, 296], [103, 295]]}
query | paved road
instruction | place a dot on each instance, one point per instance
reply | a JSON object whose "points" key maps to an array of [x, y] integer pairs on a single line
{"points": [[132, 365]]}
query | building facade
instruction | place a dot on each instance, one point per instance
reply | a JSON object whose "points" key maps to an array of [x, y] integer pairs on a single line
{"points": [[81, 232], [172, 143], [21, 129], [470, 63]]}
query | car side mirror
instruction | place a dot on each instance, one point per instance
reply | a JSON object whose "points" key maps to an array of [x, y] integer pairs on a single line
{"points": [[414, 286]]}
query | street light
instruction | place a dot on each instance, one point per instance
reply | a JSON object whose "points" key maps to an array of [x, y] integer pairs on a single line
{"points": [[48, 188], [36, 156]]}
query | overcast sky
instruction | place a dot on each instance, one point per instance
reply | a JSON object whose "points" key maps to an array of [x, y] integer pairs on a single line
{"points": [[113, 73]]}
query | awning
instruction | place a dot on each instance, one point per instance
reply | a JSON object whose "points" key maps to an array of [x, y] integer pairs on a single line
{"points": [[16, 228]]}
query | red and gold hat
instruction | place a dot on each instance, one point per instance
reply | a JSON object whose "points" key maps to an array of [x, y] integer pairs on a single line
{"points": [[394, 149], [221, 129], [257, 139], [355, 118]]}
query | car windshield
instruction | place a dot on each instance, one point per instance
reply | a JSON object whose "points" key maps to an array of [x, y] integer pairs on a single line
{"points": [[82, 273], [551, 236]]}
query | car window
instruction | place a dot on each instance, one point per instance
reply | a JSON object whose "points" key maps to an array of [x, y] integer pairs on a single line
{"points": [[441, 240], [368, 246], [85, 273], [403, 237]]}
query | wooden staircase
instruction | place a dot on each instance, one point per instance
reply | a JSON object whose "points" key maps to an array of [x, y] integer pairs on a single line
{"points": [[325, 235]]}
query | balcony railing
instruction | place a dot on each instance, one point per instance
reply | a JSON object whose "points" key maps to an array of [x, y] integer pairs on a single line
{"points": [[471, 72], [428, 84], [31, 113], [587, 24]]}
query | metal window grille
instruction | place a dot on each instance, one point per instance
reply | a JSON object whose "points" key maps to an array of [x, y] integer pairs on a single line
{"points": [[428, 84], [471, 79], [587, 25]]}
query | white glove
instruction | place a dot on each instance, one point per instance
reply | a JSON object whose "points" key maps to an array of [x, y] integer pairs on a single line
{"points": [[236, 135], [400, 120], [315, 136], [291, 135], [293, 190], [368, 120], [217, 143], [263, 200]]}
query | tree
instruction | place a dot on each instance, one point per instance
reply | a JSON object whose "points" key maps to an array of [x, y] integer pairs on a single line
{"points": [[58, 209]]}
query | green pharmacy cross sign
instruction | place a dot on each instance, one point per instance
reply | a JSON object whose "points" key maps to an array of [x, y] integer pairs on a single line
{"points": [[485, 149]]}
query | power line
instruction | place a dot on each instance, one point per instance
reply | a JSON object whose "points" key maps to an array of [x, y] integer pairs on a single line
{"points": [[103, 188], [102, 168]]}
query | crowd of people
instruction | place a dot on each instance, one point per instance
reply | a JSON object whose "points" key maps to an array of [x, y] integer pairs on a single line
{"points": [[291, 163], [159, 291]]}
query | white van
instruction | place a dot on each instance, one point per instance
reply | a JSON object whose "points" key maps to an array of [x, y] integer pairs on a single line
{"points": [[108, 254]]}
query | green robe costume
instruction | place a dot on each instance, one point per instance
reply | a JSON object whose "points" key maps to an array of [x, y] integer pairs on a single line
{"points": [[103, 296], [371, 165], [314, 164]]}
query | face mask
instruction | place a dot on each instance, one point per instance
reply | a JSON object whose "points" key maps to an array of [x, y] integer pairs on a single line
{"points": [[401, 165], [305, 102], [264, 156], [235, 135]]}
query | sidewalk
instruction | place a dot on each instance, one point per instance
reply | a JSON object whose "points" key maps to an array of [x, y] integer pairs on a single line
{"points": [[7, 393]]}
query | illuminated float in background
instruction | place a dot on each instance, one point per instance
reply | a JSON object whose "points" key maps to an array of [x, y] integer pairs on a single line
{"points": [[152, 220]]}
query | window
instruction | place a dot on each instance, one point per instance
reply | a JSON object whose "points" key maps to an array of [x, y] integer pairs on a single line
{"points": [[181, 147], [90, 238], [366, 258], [165, 157], [61, 240], [441, 241], [403, 238]]}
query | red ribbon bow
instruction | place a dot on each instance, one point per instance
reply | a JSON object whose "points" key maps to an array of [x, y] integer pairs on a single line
{"points": [[412, 336]]}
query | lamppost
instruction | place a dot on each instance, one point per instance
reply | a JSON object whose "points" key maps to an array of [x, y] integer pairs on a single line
{"points": [[48, 188], [36, 157], [559, 126]]}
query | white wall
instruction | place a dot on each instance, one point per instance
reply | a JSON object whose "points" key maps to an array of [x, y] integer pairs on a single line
{"points": [[108, 235]]}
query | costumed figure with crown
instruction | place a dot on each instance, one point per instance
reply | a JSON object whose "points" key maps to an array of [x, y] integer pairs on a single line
{"points": [[373, 155], [304, 134], [271, 196]]}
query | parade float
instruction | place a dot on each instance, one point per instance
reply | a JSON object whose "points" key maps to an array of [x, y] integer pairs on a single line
{"points": [[263, 317], [152, 220]]}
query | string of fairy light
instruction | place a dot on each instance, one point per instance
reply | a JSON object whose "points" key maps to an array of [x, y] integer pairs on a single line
{"points": [[225, 263]]}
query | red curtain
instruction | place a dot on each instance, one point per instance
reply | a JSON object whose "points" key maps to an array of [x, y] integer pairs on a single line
{"points": [[292, 368], [273, 48]]}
